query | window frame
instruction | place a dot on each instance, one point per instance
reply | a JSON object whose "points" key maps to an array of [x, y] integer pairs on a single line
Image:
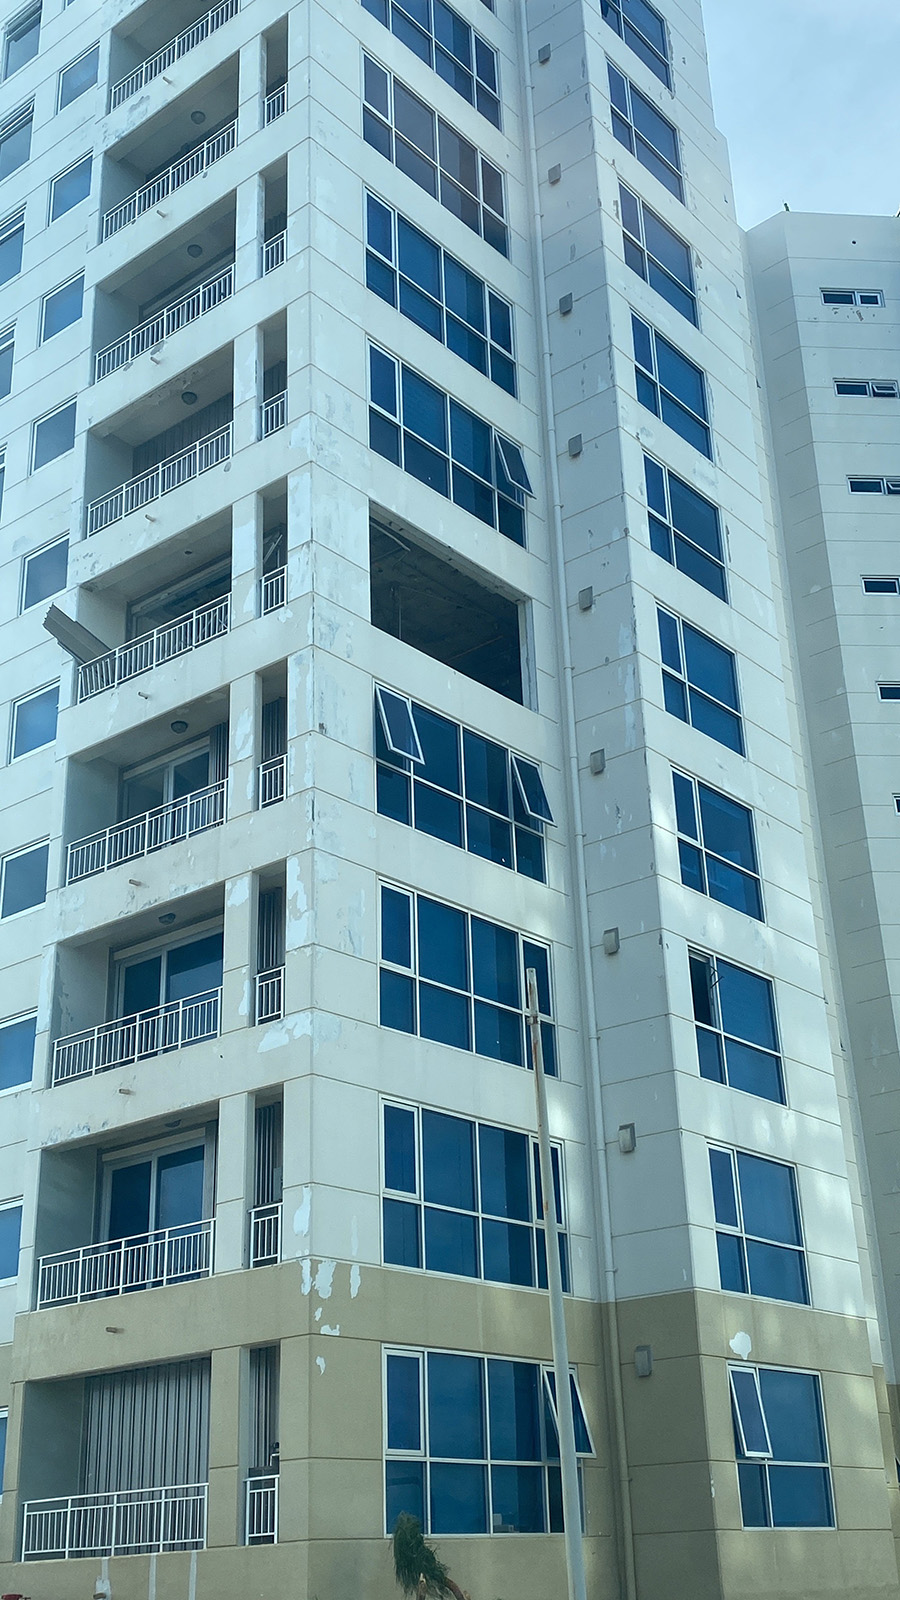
{"points": [[740, 1231], [28, 557], [498, 357], [765, 1461], [872, 578], [661, 521], [50, 295], [24, 117], [636, 138], [873, 388], [690, 688], [15, 705], [23, 1083], [13, 1203], [9, 227], [13, 855], [867, 298], [60, 104], [8, 342], [18, 27], [545, 1400], [873, 485], [697, 843], [54, 215], [651, 376], [638, 243], [39, 422], [723, 1034], [479, 1215], [548, 1019], [429, 48], [659, 62]]}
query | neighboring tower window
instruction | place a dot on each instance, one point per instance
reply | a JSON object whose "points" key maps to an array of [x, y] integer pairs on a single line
{"points": [[868, 388], [737, 1037], [716, 847], [684, 528], [852, 297], [657, 254], [645, 132], [7, 351], [670, 386], [700, 681], [15, 140], [10, 1234], [644, 32], [874, 485], [441, 38], [782, 1452], [12, 238], [758, 1234]]}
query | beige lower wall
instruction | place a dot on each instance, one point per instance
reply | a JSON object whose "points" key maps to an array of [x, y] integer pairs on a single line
{"points": [[331, 1325]]}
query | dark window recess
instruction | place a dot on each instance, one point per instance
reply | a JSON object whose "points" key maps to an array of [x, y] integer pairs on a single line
{"points": [[437, 777], [431, 605]]}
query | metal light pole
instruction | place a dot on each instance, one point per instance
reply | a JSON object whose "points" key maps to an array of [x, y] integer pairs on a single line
{"points": [[568, 1460]]}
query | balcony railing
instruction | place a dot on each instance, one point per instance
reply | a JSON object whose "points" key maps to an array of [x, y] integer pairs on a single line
{"points": [[159, 480], [151, 649], [152, 830], [270, 995], [274, 414], [130, 1522], [171, 52], [166, 322], [276, 104], [147, 1261], [273, 589], [265, 1235], [135, 1038], [274, 252], [261, 1521], [271, 782], [174, 177]]}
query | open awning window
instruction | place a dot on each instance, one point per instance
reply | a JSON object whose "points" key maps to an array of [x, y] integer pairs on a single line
{"points": [[583, 1446], [531, 790], [510, 460], [395, 713], [749, 1416]]}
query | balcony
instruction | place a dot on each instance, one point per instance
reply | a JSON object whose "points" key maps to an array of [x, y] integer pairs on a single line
{"points": [[142, 835], [166, 322], [276, 104], [129, 1522], [174, 177], [152, 649], [274, 251], [261, 1513], [159, 480], [265, 1235], [173, 51], [273, 590], [147, 1261], [127, 1040], [273, 414]]}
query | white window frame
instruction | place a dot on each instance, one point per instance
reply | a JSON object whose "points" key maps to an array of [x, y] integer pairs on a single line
{"points": [[770, 1459], [12, 855], [51, 187], [742, 1232], [8, 342], [13, 718], [28, 13], [13, 1203], [856, 293], [880, 577], [65, 69], [876, 388], [17, 1088], [61, 539], [150, 1150], [49, 296], [38, 422]]}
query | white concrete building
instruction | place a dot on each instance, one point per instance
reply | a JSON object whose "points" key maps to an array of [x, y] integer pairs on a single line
{"points": [[391, 602]]}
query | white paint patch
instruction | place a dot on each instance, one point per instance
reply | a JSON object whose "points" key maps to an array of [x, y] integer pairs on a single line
{"points": [[335, 1331], [318, 1316], [320, 1363], [238, 893], [741, 1344], [325, 1279], [306, 1275], [301, 1215], [192, 1578], [355, 1280]]}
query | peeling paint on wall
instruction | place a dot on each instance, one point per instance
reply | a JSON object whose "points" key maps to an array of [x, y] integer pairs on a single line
{"points": [[320, 1363], [325, 1279], [741, 1344]]}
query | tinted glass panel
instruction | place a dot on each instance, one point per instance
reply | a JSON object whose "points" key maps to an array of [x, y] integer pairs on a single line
{"points": [[24, 881], [404, 1425], [455, 1407], [17, 1052]]}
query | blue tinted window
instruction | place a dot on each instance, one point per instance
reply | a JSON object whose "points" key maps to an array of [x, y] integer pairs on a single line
{"points": [[10, 1228], [45, 573], [24, 881], [671, 386], [400, 1149], [790, 1487], [448, 1160], [70, 188], [78, 77], [53, 436], [403, 1406], [643, 30], [755, 1199], [645, 132], [34, 721], [62, 307], [17, 1052], [736, 1036], [725, 868]]}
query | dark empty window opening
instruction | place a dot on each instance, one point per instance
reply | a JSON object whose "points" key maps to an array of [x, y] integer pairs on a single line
{"points": [[432, 606]]}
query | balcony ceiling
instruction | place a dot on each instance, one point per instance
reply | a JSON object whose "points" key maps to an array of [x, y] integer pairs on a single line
{"points": [[163, 139]]}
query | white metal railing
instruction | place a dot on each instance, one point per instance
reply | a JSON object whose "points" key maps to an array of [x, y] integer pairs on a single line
{"points": [[272, 781], [270, 995], [261, 1520], [273, 589], [173, 51], [151, 649], [146, 1261], [265, 1235], [129, 1039], [274, 414], [159, 480], [166, 322], [152, 830], [174, 177], [274, 252], [129, 1522], [276, 104]]}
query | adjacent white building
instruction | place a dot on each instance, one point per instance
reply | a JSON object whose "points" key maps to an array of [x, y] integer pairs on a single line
{"points": [[394, 599]]}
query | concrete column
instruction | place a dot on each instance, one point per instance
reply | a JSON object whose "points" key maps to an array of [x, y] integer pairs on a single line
{"points": [[248, 366], [224, 1525], [249, 222], [244, 716], [296, 1241], [246, 558], [251, 86], [234, 1181], [241, 900]]}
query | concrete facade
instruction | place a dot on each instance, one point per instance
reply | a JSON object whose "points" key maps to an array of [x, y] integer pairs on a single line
{"points": [[235, 293]]}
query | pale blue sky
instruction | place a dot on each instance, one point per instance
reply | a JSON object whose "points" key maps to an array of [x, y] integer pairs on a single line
{"points": [[805, 92]]}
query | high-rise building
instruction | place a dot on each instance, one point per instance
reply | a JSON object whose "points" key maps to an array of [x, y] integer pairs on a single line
{"points": [[392, 602]]}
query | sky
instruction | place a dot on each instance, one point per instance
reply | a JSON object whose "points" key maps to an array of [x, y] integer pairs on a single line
{"points": [[805, 91]]}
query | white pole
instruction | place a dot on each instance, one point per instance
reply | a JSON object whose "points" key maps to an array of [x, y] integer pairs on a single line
{"points": [[568, 1459]]}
